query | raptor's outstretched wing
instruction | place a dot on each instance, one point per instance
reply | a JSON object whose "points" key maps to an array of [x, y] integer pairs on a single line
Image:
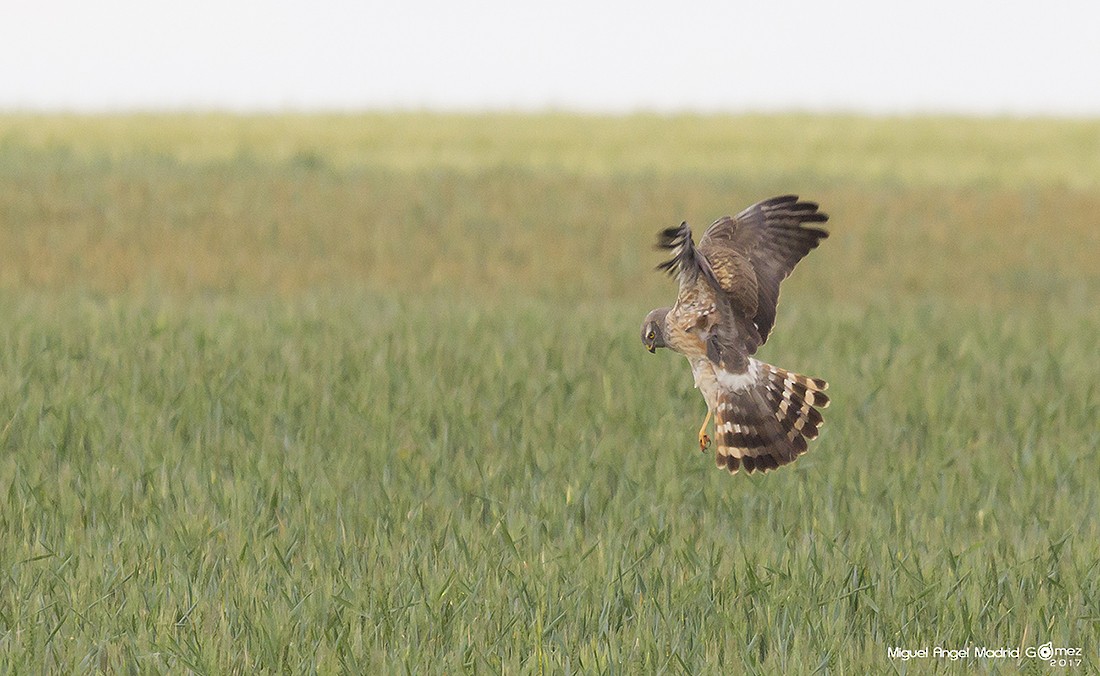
{"points": [[772, 237]]}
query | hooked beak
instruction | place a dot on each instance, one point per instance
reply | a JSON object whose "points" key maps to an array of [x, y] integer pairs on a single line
{"points": [[652, 350]]}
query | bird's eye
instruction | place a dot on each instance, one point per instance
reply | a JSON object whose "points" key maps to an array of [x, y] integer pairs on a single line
{"points": [[650, 335]]}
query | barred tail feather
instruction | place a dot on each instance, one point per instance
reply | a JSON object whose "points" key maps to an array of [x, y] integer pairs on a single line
{"points": [[768, 420]]}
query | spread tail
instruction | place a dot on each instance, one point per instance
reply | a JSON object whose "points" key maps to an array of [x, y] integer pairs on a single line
{"points": [[765, 417]]}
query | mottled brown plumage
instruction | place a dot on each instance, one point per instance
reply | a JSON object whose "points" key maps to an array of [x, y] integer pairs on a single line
{"points": [[724, 311]]}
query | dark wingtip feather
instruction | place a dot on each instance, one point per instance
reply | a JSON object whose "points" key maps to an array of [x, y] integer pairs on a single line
{"points": [[808, 212], [684, 258], [670, 238]]}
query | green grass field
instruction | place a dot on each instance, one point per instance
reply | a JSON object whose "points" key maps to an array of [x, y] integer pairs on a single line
{"points": [[366, 394]]}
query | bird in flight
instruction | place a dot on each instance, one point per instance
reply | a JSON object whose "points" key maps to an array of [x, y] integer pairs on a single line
{"points": [[725, 309]]}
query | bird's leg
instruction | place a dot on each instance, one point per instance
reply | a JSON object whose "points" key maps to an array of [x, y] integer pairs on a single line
{"points": [[704, 440]]}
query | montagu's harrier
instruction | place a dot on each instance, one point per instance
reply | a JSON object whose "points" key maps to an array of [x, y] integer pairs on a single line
{"points": [[725, 309]]}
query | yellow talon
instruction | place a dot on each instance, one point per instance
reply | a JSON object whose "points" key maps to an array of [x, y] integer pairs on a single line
{"points": [[704, 440]]}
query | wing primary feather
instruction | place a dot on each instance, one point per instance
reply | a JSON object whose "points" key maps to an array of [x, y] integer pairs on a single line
{"points": [[686, 262]]}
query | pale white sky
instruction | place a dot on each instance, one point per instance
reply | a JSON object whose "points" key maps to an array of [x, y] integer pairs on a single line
{"points": [[967, 56]]}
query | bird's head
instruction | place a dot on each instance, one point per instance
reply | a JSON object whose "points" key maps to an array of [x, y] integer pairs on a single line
{"points": [[653, 329]]}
